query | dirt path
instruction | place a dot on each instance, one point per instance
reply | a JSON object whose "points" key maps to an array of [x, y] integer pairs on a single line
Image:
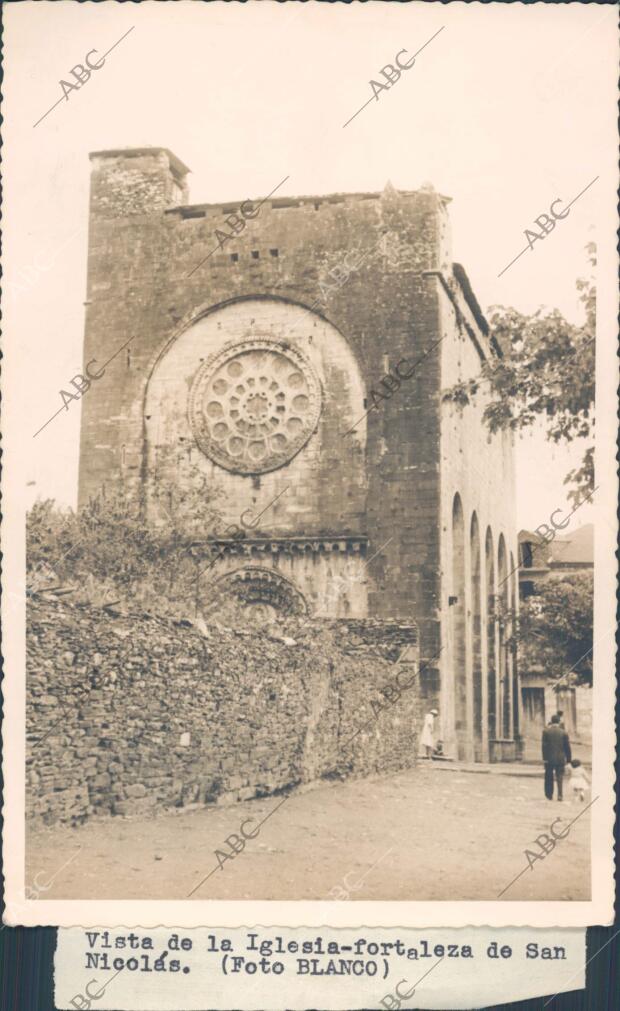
{"points": [[422, 835]]}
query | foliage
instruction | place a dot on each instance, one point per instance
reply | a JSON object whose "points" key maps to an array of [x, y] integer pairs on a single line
{"points": [[547, 373], [555, 629], [108, 552]]}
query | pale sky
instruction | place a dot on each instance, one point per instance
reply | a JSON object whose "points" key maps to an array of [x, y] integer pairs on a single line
{"points": [[510, 107]]}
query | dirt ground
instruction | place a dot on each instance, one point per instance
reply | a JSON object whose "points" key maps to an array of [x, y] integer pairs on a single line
{"points": [[426, 834]]}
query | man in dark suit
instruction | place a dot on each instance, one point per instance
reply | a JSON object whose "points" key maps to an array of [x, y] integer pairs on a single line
{"points": [[555, 754]]}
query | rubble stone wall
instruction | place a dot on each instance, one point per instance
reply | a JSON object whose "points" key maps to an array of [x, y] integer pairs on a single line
{"points": [[129, 714]]}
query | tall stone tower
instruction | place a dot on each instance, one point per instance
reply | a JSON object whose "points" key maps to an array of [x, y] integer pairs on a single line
{"points": [[259, 362]]}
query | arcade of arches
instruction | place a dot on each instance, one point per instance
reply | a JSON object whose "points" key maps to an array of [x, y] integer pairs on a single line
{"points": [[482, 603]]}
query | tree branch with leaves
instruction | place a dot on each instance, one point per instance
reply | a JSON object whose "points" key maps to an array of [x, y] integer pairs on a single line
{"points": [[546, 374]]}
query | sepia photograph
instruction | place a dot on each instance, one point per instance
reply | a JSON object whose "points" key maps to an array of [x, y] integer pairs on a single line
{"points": [[309, 585]]}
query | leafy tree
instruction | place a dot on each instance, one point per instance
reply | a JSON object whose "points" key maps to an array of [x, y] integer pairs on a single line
{"points": [[547, 373], [555, 629], [111, 551]]}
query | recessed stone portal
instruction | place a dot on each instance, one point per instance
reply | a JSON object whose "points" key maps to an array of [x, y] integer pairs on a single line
{"points": [[256, 594]]}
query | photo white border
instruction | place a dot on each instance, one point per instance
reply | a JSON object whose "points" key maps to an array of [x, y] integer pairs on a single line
{"points": [[203, 912]]}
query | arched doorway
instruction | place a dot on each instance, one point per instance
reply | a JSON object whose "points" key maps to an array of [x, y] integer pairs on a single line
{"points": [[490, 633], [513, 653], [474, 542], [253, 594], [503, 665], [457, 612]]}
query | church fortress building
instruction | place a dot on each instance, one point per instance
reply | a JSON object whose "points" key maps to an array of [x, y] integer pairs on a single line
{"points": [[257, 362]]}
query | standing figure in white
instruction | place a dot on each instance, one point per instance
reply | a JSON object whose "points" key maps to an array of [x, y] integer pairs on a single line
{"points": [[427, 742]]}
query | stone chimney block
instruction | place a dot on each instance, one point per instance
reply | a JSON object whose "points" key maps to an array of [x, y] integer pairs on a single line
{"points": [[133, 181]]}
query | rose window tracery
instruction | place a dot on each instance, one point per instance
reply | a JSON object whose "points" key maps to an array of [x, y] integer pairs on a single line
{"points": [[254, 405]]}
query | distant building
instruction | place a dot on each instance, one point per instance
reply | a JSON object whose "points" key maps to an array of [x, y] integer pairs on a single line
{"points": [[567, 554], [538, 562]]}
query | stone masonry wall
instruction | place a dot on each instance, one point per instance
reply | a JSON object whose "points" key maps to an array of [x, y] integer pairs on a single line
{"points": [[130, 713]]}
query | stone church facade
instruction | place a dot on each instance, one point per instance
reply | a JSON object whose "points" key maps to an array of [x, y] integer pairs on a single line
{"points": [[299, 367]]}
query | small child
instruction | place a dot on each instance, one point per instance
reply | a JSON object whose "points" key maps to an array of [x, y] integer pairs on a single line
{"points": [[578, 780]]}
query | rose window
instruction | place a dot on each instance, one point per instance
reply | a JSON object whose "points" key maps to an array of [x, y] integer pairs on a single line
{"points": [[254, 405]]}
